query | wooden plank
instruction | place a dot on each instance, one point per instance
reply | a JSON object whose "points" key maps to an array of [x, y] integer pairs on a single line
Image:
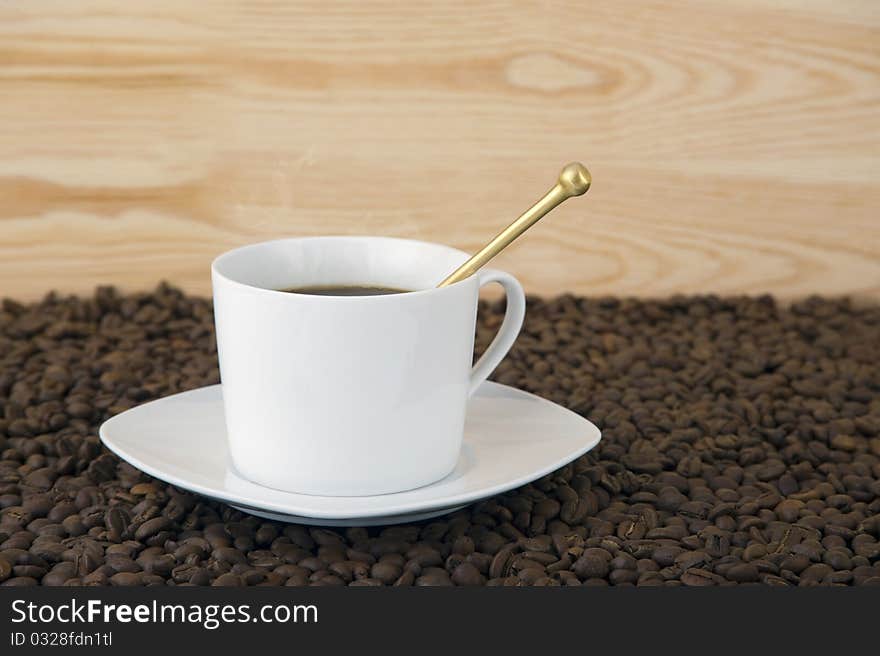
{"points": [[734, 146]]}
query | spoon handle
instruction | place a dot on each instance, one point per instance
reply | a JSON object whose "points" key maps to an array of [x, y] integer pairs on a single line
{"points": [[574, 180]]}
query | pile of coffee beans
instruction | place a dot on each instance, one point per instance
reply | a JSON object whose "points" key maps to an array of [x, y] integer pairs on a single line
{"points": [[741, 445]]}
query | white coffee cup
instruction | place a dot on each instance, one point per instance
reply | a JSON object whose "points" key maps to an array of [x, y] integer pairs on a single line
{"points": [[350, 395]]}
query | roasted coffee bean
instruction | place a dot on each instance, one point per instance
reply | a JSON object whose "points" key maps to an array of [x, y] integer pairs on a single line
{"points": [[434, 577], [795, 563], [481, 561], [232, 556], [623, 561], [690, 559], [59, 574], [253, 576], [386, 572], [623, 576], [646, 565], [160, 564], [151, 527], [670, 499], [127, 579], [425, 556], [754, 552], [838, 559], [228, 580], [116, 520], [591, 566], [5, 568], [816, 572], [699, 577], [742, 573], [665, 555], [491, 543], [122, 563], [768, 471], [393, 559], [407, 579], [297, 580], [20, 582], [463, 545], [466, 574], [498, 567]]}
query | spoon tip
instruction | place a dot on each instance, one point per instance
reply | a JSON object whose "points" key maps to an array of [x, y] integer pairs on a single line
{"points": [[575, 179]]}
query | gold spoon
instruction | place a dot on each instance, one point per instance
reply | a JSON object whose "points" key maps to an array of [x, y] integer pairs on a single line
{"points": [[573, 180]]}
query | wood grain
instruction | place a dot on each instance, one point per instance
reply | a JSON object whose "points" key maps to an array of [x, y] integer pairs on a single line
{"points": [[734, 145]]}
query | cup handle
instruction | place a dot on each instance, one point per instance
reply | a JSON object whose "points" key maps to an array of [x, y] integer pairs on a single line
{"points": [[510, 326]]}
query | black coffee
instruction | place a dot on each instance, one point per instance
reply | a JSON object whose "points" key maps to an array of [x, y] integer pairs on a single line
{"points": [[347, 290]]}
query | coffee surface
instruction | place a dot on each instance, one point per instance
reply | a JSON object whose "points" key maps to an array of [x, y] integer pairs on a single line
{"points": [[740, 444], [345, 290]]}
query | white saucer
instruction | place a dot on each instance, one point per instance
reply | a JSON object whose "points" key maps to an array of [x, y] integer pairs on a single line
{"points": [[511, 438], [384, 520]]}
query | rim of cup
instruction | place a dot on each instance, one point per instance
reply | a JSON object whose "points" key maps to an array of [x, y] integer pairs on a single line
{"points": [[218, 262]]}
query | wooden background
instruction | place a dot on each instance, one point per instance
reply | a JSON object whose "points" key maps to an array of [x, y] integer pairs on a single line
{"points": [[734, 144]]}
